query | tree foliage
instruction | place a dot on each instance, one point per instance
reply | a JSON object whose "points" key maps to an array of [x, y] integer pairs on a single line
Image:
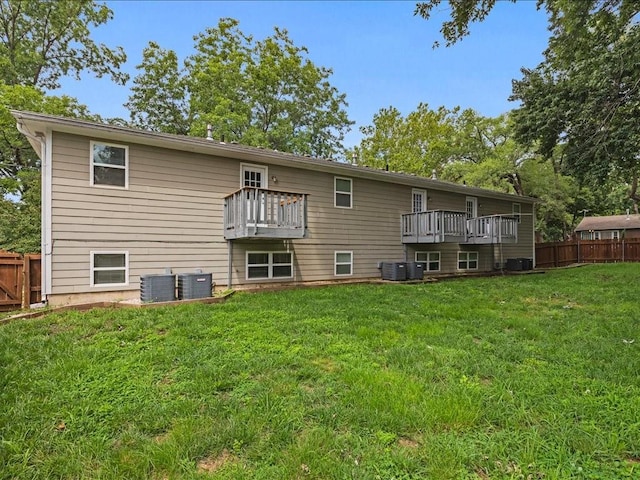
{"points": [[418, 143], [44, 40], [20, 219], [41, 42], [465, 147], [583, 100], [260, 93]]}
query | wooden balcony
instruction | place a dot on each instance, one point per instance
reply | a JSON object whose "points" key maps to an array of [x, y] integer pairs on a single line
{"points": [[260, 213], [436, 226], [492, 229], [440, 226]]}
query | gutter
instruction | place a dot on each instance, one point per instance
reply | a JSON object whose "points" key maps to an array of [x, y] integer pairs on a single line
{"points": [[44, 141]]}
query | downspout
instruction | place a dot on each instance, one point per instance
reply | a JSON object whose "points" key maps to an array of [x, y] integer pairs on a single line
{"points": [[45, 194], [533, 228]]}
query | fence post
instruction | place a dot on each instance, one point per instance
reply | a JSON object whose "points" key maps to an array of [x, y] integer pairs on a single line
{"points": [[26, 281]]}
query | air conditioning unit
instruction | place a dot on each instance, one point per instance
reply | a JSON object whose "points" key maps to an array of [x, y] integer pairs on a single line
{"points": [[415, 271], [396, 271], [157, 288], [194, 285], [514, 264]]}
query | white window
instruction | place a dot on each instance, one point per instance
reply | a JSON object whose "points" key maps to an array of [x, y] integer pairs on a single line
{"points": [[471, 207], [596, 235], [109, 165], [342, 192], [109, 269], [615, 234], [517, 211], [431, 260], [419, 201], [253, 176], [343, 263], [266, 265], [467, 260]]}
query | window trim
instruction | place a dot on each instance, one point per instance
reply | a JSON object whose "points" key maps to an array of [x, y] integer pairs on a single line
{"points": [[336, 263], [269, 265], [615, 234], [255, 166], [467, 253], [517, 214], [124, 167], [428, 261], [92, 268], [336, 192]]}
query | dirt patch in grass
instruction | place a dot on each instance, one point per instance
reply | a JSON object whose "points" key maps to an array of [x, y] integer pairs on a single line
{"points": [[213, 464], [408, 443]]}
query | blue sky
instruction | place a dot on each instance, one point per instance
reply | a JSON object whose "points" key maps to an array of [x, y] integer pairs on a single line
{"points": [[380, 53]]}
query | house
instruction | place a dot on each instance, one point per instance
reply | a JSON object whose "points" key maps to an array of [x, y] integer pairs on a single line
{"points": [[609, 227], [118, 203]]}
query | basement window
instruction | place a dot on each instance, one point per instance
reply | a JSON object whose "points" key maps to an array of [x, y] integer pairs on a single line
{"points": [[467, 260], [109, 269], [343, 263], [430, 260], [268, 265]]}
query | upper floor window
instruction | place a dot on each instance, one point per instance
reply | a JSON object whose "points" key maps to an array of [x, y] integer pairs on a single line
{"points": [[109, 165], [343, 192], [517, 211]]}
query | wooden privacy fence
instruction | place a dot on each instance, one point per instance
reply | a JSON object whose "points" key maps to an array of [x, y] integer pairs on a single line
{"points": [[560, 254], [19, 280]]}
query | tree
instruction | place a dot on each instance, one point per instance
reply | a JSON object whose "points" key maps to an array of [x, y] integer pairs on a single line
{"points": [[42, 41], [20, 219], [418, 143], [585, 96], [16, 153], [260, 93], [163, 92]]}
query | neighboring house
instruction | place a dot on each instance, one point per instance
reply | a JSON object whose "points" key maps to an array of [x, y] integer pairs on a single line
{"points": [[119, 203], [609, 227]]}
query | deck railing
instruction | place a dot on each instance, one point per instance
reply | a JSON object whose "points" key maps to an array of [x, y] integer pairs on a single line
{"points": [[492, 229], [435, 226], [439, 226], [258, 212]]}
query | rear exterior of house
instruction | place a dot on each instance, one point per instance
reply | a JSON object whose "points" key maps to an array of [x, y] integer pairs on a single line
{"points": [[610, 227], [119, 203]]}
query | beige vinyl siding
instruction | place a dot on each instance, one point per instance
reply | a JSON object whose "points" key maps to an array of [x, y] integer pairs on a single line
{"points": [[370, 229], [171, 216]]}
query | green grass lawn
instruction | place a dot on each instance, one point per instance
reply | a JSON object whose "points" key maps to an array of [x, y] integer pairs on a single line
{"points": [[531, 376]]}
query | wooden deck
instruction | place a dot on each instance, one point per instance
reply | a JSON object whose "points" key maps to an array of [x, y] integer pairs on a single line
{"points": [[440, 226], [260, 213]]}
